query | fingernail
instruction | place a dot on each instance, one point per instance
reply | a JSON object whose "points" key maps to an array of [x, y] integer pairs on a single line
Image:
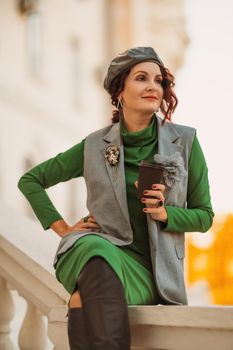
{"points": [[154, 187], [145, 192], [143, 200], [145, 209]]}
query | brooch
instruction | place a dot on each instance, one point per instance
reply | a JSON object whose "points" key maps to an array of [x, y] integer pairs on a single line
{"points": [[112, 154]]}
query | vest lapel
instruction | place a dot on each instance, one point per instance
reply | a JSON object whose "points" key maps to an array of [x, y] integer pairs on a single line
{"points": [[168, 139], [117, 173], [169, 142]]}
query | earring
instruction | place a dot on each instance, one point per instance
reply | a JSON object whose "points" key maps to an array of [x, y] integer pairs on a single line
{"points": [[119, 103]]}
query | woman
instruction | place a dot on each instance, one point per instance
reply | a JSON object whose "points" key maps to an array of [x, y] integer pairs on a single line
{"points": [[128, 250]]}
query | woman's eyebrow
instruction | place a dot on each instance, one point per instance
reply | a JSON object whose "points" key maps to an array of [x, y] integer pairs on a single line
{"points": [[142, 71]]}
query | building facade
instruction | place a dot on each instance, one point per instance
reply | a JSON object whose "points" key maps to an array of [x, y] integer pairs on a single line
{"points": [[54, 55]]}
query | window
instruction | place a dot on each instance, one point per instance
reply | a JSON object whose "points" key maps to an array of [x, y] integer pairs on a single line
{"points": [[27, 165], [34, 42], [76, 72]]}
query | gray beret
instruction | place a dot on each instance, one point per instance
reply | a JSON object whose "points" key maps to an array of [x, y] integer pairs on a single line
{"points": [[128, 59]]}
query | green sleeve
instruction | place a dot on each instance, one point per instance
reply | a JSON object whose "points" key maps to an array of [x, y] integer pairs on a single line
{"points": [[63, 167], [198, 215]]}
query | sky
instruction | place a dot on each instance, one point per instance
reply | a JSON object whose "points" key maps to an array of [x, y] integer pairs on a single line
{"points": [[204, 87]]}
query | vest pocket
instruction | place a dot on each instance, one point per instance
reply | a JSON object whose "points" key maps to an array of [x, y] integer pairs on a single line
{"points": [[180, 251]]}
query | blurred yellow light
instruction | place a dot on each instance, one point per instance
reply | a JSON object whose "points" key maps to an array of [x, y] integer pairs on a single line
{"points": [[214, 263]]}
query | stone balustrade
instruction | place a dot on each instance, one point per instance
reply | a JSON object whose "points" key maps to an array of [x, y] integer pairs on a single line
{"points": [[26, 265], [165, 327], [26, 257]]}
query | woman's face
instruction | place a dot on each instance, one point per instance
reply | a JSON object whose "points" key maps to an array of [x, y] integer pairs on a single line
{"points": [[143, 88]]}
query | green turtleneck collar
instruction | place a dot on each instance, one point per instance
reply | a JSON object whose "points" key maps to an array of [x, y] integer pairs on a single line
{"points": [[138, 138]]}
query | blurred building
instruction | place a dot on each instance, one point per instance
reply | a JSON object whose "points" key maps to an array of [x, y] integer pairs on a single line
{"points": [[54, 55]]}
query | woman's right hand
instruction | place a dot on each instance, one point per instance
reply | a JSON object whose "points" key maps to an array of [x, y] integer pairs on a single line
{"points": [[85, 224]]}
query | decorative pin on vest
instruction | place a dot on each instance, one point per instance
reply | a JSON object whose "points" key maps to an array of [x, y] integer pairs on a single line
{"points": [[112, 154]]}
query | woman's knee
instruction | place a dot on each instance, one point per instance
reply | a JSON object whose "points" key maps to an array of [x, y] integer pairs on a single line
{"points": [[99, 280], [75, 300]]}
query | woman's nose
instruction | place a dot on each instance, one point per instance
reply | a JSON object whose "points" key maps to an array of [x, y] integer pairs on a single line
{"points": [[152, 86]]}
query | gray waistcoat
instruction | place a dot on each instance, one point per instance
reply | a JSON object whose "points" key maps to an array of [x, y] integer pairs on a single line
{"points": [[106, 201]]}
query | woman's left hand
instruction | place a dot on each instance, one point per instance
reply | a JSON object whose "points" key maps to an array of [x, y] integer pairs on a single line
{"points": [[154, 204]]}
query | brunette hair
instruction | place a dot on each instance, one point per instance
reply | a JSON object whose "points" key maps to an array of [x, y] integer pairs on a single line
{"points": [[169, 101]]}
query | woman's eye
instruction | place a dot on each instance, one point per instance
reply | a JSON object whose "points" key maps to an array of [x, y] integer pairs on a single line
{"points": [[140, 77], [159, 81]]}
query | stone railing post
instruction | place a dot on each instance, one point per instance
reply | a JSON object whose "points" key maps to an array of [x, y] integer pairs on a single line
{"points": [[26, 264], [6, 315], [33, 332], [57, 328]]}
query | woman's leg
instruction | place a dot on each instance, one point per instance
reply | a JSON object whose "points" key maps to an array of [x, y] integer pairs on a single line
{"points": [[77, 332], [104, 306], [75, 300]]}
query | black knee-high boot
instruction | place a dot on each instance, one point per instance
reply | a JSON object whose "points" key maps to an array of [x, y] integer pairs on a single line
{"points": [[104, 306], [77, 332]]}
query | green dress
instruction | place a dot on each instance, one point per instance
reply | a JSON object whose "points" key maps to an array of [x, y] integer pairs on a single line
{"points": [[131, 263]]}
